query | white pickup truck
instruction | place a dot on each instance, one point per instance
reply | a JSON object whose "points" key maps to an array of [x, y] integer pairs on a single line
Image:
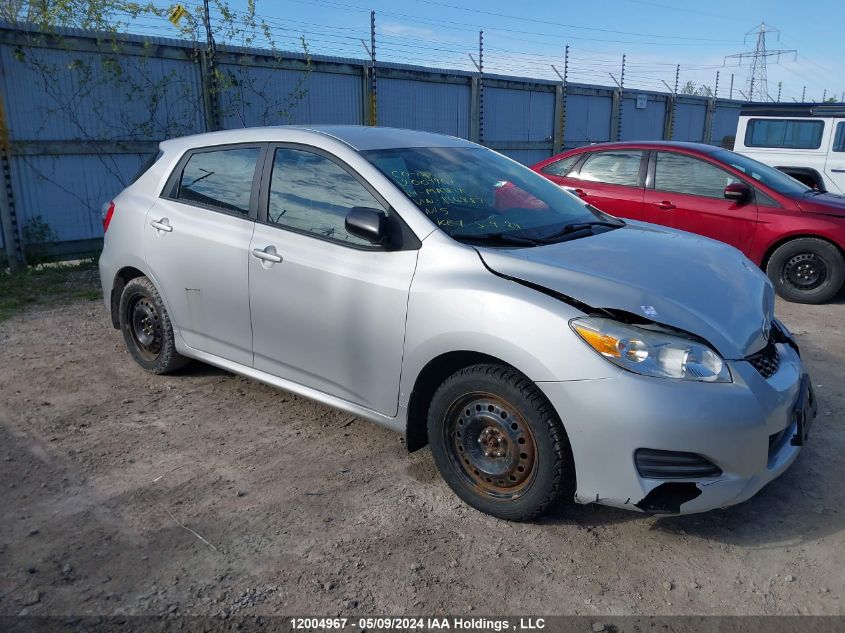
{"points": [[805, 140]]}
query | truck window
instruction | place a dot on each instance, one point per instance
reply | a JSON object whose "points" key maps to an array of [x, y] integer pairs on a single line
{"points": [[839, 139], [784, 133]]}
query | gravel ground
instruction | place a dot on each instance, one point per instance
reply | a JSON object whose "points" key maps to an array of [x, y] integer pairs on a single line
{"points": [[207, 493]]}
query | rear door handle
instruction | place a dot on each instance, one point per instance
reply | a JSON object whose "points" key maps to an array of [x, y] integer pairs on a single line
{"points": [[838, 171], [268, 254], [162, 225], [665, 205], [580, 193]]}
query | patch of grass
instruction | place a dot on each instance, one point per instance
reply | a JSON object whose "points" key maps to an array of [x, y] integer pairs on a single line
{"points": [[47, 285]]}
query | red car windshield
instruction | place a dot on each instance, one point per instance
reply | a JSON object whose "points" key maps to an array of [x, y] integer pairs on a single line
{"points": [[476, 192]]}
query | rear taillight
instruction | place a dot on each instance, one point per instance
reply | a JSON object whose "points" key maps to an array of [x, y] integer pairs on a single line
{"points": [[108, 212]]}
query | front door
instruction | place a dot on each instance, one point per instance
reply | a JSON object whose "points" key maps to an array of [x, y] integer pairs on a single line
{"points": [[835, 163], [328, 308], [196, 239], [689, 194]]}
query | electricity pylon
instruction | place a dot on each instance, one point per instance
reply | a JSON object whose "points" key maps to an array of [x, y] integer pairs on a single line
{"points": [[758, 84]]}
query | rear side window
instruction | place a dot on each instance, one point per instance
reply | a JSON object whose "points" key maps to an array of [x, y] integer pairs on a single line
{"points": [[561, 167], [784, 133], [684, 174], [839, 139], [221, 179], [615, 168]]}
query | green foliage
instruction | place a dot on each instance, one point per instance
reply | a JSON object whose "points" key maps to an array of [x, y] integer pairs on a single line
{"points": [[48, 285], [37, 235]]}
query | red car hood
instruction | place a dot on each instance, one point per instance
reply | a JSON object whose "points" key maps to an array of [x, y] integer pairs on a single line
{"points": [[824, 203]]}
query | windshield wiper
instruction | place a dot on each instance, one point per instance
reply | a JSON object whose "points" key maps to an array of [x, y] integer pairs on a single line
{"points": [[577, 227], [502, 239]]}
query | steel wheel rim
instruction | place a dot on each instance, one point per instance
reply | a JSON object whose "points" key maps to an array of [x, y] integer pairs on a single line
{"points": [[805, 271], [145, 327], [490, 446]]}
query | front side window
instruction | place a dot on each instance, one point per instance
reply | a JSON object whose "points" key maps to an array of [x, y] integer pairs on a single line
{"points": [[561, 167], [471, 192], [685, 174], [312, 194], [839, 139], [614, 168], [769, 176], [784, 133], [221, 179]]}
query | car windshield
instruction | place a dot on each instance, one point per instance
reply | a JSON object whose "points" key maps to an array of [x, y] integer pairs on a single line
{"points": [[769, 176], [477, 194]]}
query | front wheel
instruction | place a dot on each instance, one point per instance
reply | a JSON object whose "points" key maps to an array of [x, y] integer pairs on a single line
{"points": [[146, 328], [807, 270], [498, 443]]}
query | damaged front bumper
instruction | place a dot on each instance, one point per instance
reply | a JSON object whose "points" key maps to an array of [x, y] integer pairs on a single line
{"points": [[748, 429]]}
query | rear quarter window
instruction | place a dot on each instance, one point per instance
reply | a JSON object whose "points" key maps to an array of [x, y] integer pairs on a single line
{"points": [[784, 133], [839, 139], [145, 166]]}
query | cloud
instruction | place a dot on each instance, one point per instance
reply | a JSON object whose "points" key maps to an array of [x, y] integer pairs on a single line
{"points": [[407, 30]]}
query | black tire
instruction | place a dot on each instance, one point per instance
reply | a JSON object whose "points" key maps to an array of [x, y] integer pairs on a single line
{"points": [[807, 270], [499, 444], [146, 328]]}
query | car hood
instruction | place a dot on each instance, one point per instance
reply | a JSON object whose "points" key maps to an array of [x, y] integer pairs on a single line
{"points": [[666, 276], [825, 203]]}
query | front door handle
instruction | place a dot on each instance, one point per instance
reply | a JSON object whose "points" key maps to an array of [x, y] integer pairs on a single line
{"points": [[162, 225], [268, 254], [580, 193], [665, 205]]}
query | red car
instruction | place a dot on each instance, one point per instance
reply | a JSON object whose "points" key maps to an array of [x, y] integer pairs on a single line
{"points": [[795, 233]]}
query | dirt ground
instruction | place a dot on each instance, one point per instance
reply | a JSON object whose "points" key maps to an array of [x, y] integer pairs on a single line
{"points": [[206, 493]]}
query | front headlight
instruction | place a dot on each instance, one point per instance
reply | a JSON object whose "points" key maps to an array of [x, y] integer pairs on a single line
{"points": [[651, 352]]}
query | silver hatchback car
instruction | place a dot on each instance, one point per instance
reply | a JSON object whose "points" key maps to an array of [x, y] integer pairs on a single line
{"points": [[543, 349]]}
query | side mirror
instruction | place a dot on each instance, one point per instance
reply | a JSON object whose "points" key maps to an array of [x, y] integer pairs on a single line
{"points": [[738, 192], [366, 223]]}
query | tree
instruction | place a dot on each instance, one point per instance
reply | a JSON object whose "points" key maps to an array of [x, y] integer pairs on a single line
{"points": [[117, 89], [690, 88]]}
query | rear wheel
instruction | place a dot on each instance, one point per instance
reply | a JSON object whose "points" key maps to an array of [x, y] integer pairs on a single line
{"points": [[807, 270], [498, 443], [146, 328]]}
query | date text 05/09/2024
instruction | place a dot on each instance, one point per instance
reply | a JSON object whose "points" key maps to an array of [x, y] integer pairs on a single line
{"points": [[476, 624]]}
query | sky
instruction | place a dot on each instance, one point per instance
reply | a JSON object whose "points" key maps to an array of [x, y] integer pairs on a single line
{"points": [[527, 37]]}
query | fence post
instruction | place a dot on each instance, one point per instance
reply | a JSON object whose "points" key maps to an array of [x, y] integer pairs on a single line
{"points": [[210, 94], [708, 121], [557, 138], [474, 114], [615, 114], [669, 118], [8, 218], [365, 94]]}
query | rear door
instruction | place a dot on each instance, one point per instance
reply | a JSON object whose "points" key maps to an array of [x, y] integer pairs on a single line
{"points": [[328, 308], [196, 240], [835, 164], [612, 181], [688, 193]]}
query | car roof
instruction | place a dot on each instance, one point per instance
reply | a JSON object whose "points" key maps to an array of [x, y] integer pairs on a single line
{"points": [[793, 109], [702, 148], [359, 137]]}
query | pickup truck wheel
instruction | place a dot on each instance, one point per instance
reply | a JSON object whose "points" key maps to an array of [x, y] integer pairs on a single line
{"points": [[498, 442], [146, 328], [807, 270]]}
